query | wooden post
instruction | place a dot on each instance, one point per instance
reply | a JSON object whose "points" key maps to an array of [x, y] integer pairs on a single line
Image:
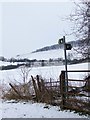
{"points": [[35, 87], [15, 90], [63, 88], [38, 82], [42, 86], [43, 91], [51, 91], [39, 88]]}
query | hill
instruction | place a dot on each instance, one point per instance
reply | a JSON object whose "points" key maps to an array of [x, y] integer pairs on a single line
{"points": [[57, 46], [46, 56]]}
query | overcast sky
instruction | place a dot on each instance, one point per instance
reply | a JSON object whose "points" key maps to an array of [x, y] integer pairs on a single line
{"points": [[27, 26]]}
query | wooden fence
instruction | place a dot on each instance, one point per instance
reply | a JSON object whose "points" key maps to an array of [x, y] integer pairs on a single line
{"points": [[77, 97], [55, 92], [46, 91]]}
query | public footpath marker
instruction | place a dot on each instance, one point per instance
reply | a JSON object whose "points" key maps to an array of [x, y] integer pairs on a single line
{"points": [[66, 47]]}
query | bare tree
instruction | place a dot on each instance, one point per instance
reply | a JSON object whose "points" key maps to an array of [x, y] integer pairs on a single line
{"points": [[81, 29], [24, 73]]}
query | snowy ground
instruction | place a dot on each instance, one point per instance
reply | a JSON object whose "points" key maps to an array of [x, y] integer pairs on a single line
{"points": [[12, 109], [46, 72]]}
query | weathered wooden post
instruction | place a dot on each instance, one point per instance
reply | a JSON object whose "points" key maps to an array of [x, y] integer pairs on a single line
{"points": [[51, 91], [39, 87], [15, 90], [38, 82], [63, 88], [35, 88], [43, 90]]}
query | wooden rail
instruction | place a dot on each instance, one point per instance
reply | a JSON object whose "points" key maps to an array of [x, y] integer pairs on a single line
{"points": [[69, 97], [56, 90], [73, 80]]}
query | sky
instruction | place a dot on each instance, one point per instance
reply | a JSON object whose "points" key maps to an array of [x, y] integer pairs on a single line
{"points": [[27, 26]]}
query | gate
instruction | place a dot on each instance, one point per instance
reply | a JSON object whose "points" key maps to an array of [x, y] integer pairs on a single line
{"points": [[77, 97], [72, 97]]}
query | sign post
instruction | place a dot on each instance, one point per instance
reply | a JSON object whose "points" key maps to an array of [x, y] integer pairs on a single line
{"points": [[66, 47]]}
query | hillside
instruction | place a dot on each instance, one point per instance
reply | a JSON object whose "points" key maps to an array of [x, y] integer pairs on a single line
{"points": [[53, 52], [57, 46], [46, 56], [47, 52]]}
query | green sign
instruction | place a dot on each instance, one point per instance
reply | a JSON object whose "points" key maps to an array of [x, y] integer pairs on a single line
{"points": [[68, 46], [60, 41]]}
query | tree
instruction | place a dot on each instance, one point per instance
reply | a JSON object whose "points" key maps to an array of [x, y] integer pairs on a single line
{"points": [[24, 73], [81, 29]]}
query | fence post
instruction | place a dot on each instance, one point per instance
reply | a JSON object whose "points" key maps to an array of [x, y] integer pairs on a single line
{"points": [[63, 88], [43, 90], [35, 87], [51, 91], [39, 87], [15, 90], [38, 82]]}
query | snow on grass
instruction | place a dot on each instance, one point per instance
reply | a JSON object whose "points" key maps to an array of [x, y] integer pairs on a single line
{"points": [[33, 110], [46, 72]]}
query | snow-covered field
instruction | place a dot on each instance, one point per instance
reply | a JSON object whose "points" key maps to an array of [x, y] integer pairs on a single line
{"points": [[13, 109], [46, 72]]}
